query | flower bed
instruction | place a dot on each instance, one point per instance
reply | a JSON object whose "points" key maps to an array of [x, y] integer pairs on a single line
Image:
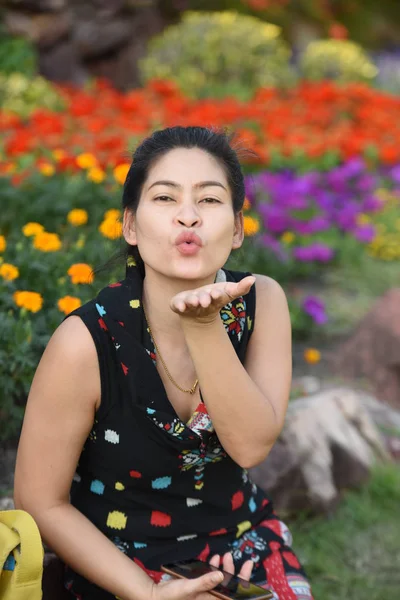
{"points": [[323, 189]]}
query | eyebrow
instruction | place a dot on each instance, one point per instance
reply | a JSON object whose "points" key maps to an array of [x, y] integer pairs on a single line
{"points": [[200, 185]]}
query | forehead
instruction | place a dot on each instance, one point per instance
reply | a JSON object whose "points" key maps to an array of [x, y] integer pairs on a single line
{"points": [[187, 165]]}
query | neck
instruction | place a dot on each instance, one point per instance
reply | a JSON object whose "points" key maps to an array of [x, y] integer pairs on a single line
{"points": [[158, 291]]}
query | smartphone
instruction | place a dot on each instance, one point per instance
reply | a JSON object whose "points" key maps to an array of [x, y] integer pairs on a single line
{"points": [[230, 588]]}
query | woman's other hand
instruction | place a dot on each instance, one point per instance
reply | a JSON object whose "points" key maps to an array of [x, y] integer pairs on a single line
{"points": [[229, 567], [204, 303], [187, 589]]}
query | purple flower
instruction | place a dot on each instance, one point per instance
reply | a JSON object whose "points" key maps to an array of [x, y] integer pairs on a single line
{"points": [[315, 307], [365, 233], [314, 252], [371, 204], [274, 217], [319, 223], [395, 174]]}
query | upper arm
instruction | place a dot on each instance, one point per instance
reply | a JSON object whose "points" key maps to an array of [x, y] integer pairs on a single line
{"points": [[58, 418], [269, 352]]}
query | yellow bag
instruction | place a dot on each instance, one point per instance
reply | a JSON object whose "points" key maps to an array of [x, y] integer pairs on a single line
{"points": [[21, 557]]}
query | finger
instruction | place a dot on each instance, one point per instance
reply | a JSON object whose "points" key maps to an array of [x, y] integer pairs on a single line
{"points": [[227, 563], [201, 584], [192, 300], [215, 560], [216, 294], [246, 570], [179, 306], [246, 283], [205, 299]]}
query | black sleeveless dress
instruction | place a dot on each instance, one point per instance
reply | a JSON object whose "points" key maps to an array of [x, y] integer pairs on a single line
{"points": [[160, 489]]}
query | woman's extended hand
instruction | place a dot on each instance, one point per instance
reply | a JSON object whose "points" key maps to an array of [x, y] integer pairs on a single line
{"points": [[204, 303]]}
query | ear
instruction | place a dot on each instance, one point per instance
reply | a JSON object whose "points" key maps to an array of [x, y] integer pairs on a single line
{"points": [[129, 227], [238, 234]]}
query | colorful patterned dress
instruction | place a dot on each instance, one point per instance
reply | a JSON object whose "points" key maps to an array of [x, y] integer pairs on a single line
{"points": [[162, 490]]}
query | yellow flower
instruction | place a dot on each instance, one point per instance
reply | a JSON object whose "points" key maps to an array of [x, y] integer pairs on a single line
{"points": [[80, 273], [111, 229], [251, 226], [68, 303], [246, 204], [287, 237], [31, 301], [3, 243], [86, 160], [59, 154], [312, 356], [47, 242], [120, 172], [77, 217], [113, 213], [46, 169], [32, 229], [96, 174], [363, 219], [9, 272]]}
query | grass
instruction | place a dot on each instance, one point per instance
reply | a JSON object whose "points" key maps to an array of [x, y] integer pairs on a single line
{"points": [[355, 555]]}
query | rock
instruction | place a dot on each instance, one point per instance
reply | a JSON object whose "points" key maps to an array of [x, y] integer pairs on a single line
{"points": [[36, 5], [329, 443], [6, 503], [96, 37], [44, 29], [373, 351], [61, 63]]}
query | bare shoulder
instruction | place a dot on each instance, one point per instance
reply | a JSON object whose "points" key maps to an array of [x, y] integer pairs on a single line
{"points": [[269, 291]]}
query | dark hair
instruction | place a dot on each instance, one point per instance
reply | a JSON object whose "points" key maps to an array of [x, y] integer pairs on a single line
{"points": [[218, 143]]}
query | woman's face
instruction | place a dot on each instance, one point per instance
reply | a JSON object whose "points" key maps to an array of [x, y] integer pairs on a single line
{"points": [[186, 191]]}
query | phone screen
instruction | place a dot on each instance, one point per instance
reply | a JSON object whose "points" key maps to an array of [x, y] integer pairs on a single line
{"points": [[232, 586]]}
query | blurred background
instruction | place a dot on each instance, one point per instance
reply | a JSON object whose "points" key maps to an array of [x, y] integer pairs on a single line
{"points": [[312, 87]]}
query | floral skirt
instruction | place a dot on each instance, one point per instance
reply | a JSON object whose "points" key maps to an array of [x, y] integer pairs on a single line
{"points": [[268, 545]]}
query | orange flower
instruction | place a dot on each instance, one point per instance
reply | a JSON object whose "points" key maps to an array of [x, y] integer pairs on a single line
{"points": [[46, 169], [86, 160], [120, 172], [47, 242], [3, 243], [31, 301], [77, 217], [246, 204], [8, 272], [111, 229], [59, 154], [312, 356], [32, 229], [96, 174], [251, 226], [80, 273], [112, 213], [68, 303]]}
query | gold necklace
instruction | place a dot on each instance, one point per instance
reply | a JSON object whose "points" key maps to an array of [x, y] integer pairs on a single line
{"points": [[189, 391]]}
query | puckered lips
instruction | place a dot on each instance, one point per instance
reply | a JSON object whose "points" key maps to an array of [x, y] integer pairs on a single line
{"points": [[188, 243]]}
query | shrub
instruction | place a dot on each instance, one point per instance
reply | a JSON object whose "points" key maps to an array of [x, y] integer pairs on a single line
{"points": [[16, 55], [21, 95], [342, 60], [219, 53]]}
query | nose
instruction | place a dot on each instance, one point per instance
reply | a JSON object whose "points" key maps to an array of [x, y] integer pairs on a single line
{"points": [[188, 216]]}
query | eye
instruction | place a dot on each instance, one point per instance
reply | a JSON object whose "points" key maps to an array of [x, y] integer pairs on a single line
{"points": [[163, 198], [210, 200]]}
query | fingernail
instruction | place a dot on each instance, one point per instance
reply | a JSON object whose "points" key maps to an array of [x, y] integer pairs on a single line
{"points": [[217, 577]]}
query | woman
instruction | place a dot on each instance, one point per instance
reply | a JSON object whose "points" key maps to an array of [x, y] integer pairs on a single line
{"points": [[154, 398]]}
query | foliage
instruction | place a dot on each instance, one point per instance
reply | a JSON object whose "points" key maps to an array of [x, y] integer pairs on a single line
{"points": [[16, 55], [341, 60], [22, 95], [355, 553], [221, 53]]}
